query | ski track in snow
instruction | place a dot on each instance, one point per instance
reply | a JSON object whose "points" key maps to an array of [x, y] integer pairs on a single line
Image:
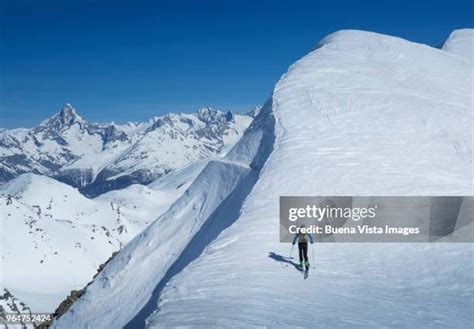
{"points": [[410, 135]]}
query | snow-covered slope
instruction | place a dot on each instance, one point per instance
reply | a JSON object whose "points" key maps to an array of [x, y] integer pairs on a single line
{"points": [[210, 204], [99, 158], [363, 114], [53, 231]]}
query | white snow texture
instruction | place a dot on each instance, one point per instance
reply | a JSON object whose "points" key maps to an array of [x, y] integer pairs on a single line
{"points": [[362, 114]]}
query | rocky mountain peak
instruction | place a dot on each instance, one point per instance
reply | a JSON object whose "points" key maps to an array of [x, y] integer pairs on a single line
{"points": [[64, 118], [207, 114]]}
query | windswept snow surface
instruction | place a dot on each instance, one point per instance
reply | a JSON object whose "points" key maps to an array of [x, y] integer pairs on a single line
{"points": [[363, 114]]}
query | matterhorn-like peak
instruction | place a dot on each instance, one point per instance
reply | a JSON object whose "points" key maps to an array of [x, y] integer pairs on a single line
{"points": [[63, 119], [69, 115]]}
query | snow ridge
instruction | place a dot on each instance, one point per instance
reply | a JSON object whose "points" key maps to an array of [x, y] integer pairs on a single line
{"points": [[363, 114], [175, 239]]}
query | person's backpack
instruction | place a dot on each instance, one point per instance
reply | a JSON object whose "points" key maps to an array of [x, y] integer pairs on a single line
{"points": [[302, 237]]}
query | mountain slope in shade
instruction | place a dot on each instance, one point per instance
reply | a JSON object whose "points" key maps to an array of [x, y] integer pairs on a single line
{"points": [[363, 114], [98, 158]]}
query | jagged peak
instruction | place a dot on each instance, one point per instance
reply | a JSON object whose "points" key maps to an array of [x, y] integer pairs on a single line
{"points": [[64, 118], [205, 111], [69, 115], [208, 114], [69, 108]]}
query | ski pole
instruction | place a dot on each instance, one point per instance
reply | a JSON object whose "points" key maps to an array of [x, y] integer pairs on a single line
{"points": [[312, 256], [291, 252]]}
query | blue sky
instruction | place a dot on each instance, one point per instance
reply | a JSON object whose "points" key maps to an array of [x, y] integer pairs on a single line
{"points": [[131, 60]]}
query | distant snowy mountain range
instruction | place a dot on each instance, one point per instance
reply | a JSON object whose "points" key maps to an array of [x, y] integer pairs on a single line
{"points": [[97, 158], [50, 224]]}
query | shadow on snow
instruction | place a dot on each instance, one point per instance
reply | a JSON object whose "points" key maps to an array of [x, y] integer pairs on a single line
{"points": [[285, 260]]}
